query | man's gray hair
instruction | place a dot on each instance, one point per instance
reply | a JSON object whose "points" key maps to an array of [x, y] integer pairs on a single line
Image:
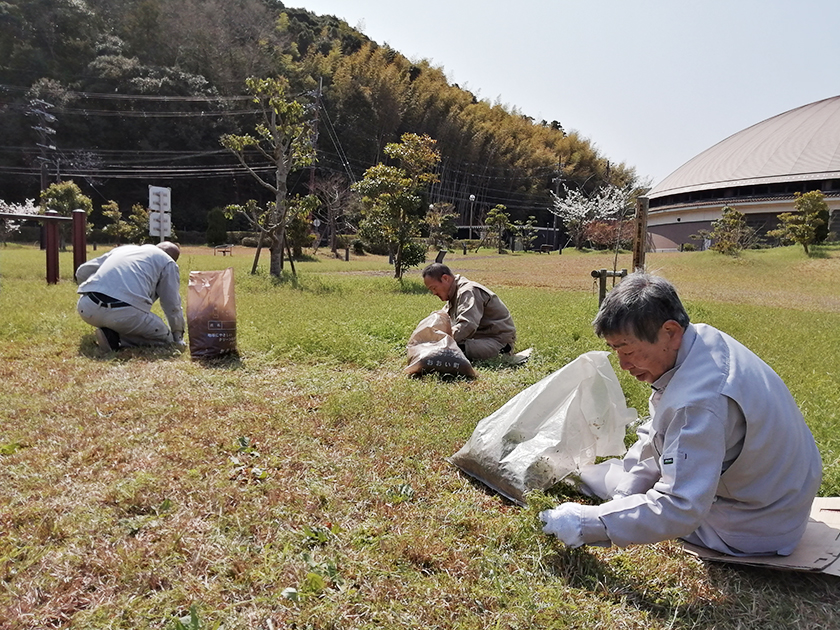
{"points": [[436, 271], [639, 305], [170, 248]]}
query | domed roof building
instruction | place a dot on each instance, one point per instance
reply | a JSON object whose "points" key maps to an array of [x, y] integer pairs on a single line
{"points": [[756, 171]]}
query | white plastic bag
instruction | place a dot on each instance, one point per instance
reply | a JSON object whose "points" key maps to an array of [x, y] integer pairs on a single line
{"points": [[431, 348], [549, 430]]}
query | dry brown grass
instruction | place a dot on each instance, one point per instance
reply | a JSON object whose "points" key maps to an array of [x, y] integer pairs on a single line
{"points": [[136, 485]]}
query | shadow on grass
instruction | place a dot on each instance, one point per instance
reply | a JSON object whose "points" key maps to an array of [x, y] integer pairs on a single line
{"points": [[443, 377], [227, 361], [480, 486], [412, 287], [498, 363], [744, 594], [89, 348]]}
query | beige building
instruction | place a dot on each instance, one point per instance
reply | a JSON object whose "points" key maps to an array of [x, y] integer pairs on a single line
{"points": [[757, 171]]}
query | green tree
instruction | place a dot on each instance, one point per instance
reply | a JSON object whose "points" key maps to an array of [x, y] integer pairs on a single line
{"points": [[527, 232], [730, 234], [216, 227], [138, 225], [499, 221], [117, 228], [284, 138], [441, 222], [65, 197], [802, 225], [300, 223], [392, 196]]}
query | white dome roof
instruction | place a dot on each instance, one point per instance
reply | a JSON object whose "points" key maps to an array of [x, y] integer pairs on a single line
{"points": [[801, 144]]}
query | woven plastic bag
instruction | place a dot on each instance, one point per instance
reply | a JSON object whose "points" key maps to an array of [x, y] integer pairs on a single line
{"points": [[211, 313], [549, 430], [431, 348]]}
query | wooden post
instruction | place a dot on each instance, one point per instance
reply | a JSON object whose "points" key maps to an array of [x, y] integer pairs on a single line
{"points": [[51, 245], [602, 285], [602, 276], [640, 237], [79, 239], [49, 229]]}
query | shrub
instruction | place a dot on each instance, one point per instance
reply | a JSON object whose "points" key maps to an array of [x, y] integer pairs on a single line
{"points": [[216, 227]]}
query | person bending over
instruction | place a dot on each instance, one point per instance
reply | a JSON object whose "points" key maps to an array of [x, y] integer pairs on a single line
{"points": [[481, 323], [119, 288], [725, 461]]}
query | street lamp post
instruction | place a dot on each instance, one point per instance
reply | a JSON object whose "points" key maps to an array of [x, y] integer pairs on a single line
{"points": [[472, 205]]}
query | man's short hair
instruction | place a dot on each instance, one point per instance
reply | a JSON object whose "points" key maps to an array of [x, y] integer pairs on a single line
{"points": [[436, 271], [170, 248], [639, 305]]}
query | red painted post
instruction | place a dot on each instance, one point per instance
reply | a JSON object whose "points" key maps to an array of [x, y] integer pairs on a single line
{"points": [[79, 238], [51, 245]]}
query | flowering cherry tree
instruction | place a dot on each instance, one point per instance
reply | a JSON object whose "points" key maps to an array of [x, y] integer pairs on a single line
{"points": [[10, 226], [577, 211]]}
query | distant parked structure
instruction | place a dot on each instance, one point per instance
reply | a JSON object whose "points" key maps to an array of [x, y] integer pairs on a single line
{"points": [[756, 171]]}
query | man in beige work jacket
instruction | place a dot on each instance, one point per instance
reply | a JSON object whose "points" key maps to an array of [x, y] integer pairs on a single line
{"points": [[481, 323]]}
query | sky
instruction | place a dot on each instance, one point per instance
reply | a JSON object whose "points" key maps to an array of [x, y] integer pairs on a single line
{"points": [[651, 83]]}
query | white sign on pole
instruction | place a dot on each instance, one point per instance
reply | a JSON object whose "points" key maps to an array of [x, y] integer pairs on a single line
{"points": [[160, 199], [160, 224], [160, 205]]}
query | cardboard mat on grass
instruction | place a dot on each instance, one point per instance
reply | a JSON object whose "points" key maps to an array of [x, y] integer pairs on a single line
{"points": [[818, 551]]}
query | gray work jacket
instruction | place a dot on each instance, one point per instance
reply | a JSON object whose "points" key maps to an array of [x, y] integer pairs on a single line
{"points": [[687, 482]]}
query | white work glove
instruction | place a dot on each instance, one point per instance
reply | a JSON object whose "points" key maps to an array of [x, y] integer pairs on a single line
{"points": [[565, 522]]}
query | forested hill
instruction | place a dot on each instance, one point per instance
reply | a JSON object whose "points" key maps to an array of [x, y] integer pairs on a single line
{"points": [[142, 90]]}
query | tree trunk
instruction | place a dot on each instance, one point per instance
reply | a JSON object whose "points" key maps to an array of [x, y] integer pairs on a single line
{"points": [[257, 255], [276, 265]]}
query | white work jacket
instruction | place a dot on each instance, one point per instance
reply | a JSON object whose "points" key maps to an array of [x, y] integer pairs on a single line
{"points": [[726, 460]]}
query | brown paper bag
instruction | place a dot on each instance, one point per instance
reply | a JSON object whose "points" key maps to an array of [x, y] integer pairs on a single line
{"points": [[211, 313], [431, 348]]}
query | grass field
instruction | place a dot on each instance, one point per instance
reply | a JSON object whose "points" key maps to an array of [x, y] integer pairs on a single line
{"points": [[305, 485]]}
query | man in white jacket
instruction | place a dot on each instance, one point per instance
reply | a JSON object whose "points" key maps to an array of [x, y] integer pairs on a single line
{"points": [[726, 460], [119, 288]]}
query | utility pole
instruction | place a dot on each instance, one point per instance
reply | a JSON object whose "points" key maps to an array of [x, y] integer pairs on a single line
{"points": [[557, 181], [315, 135], [43, 119]]}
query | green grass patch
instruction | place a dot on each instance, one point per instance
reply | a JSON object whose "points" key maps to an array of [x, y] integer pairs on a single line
{"points": [[305, 485]]}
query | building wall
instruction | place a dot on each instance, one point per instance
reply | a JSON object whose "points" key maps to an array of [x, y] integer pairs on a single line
{"points": [[670, 227]]}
